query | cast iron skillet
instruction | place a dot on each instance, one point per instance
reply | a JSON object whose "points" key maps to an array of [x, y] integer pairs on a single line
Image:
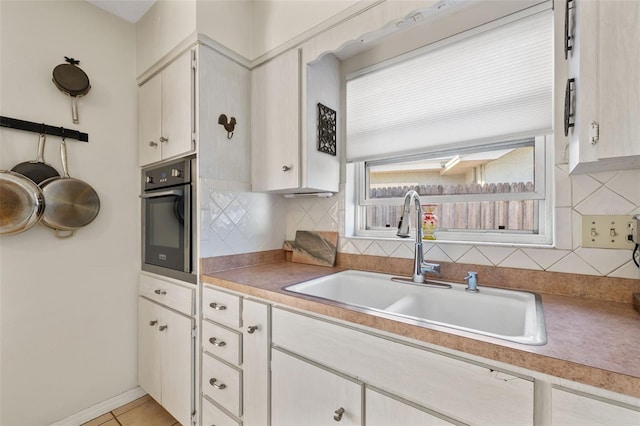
{"points": [[71, 203], [37, 170], [72, 81]]}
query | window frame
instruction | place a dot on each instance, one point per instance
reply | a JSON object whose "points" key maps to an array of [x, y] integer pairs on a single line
{"points": [[543, 177]]}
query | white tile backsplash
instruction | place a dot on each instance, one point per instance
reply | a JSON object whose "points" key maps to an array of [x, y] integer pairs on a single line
{"points": [[241, 221]]}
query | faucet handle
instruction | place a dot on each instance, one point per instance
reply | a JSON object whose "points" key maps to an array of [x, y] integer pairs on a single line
{"points": [[472, 282]]}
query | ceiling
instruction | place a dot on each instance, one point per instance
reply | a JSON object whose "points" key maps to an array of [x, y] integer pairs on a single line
{"points": [[130, 10]]}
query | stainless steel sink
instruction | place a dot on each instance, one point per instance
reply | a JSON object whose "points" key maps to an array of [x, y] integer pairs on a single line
{"points": [[516, 316]]}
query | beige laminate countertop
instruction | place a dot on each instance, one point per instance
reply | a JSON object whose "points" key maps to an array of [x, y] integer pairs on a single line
{"points": [[589, 341]]}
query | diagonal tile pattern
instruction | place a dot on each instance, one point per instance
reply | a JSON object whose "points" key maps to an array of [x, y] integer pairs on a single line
{"points": [[242, 221]]}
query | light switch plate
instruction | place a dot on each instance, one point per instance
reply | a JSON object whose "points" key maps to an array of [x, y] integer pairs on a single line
{"points": [[607, 231]]}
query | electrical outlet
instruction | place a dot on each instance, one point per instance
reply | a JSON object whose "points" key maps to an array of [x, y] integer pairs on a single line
{"points": [[608, 231]]}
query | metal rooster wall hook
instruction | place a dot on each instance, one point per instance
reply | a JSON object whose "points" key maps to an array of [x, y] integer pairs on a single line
{"points": [[229, 125]]}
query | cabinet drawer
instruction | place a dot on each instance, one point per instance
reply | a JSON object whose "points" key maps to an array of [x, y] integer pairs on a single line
{"points": [[222, 342], [221, 307], [462, 390], [222, 384], [570, 409], [212, 415], [175, 296]]}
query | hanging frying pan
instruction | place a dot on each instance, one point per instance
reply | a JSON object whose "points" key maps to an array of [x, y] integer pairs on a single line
{"points": [[21, 203], [71, 203], [72, 81], [37, 170]]}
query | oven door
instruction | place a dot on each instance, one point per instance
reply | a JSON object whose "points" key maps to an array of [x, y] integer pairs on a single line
{"points": [[166, 217]]}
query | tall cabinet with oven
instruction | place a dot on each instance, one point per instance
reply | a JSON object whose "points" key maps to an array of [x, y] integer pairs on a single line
{"points": [[187, 102]]}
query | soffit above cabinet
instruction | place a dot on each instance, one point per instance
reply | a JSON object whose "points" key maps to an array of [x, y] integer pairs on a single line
{"points": [[130, 11]]}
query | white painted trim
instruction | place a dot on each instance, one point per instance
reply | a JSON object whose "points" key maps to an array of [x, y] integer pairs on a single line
{"points": [[101, 408], [189, 42]]}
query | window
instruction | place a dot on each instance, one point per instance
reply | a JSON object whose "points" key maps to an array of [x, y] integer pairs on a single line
{"points": [[466, 122]]}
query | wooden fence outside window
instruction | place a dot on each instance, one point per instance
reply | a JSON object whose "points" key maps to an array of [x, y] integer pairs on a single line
{"points": [[515, 215]]}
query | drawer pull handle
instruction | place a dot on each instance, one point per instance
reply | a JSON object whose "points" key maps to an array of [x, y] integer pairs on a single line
{"points": [[163, 327], [220, 386], [217, 307], [215, 342], [160, 292], [252, 329], [338, 414], [152, 144], [163, 139], [152, 323]]}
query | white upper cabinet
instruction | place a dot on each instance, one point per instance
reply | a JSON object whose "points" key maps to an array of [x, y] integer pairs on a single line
{"points": [[165, 112], [604, 96], [284, 144], [275, 123]]}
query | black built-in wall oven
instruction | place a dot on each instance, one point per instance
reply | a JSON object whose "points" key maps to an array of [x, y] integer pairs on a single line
{"points": [[168, 208]]}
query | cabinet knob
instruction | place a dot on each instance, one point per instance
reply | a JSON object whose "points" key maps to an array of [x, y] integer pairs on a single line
{"points": [[217, 307], [163, 327], [152, 323], [252, 329], [213, 383], [338, 414], [153, 144], [160, 292], [286, 168], [215, 342], [163, 139]]}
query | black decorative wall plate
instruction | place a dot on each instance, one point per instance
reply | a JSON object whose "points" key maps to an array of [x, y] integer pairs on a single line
{"points": [[326, 130]]}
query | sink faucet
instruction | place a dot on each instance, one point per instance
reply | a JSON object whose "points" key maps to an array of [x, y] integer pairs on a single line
{"points": [[420, 267]]}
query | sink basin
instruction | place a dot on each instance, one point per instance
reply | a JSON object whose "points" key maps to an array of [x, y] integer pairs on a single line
{"points": [[515, 316]]}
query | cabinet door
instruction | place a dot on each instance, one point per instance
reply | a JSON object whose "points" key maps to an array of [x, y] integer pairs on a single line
{"points": [[255, 365], [569, 409], [178, 106], [618, 81], [383, 410], [275, 123], [149, 348], [305, 394], [176, 349], [149, 121]]}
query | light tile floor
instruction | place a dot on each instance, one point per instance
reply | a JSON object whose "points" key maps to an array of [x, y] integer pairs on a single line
{"points": [[144, 411]]}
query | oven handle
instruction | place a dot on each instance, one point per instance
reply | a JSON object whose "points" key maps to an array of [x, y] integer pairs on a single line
{"points": [[176, 192]]}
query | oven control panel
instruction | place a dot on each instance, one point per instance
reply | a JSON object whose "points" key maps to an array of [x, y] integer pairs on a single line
{"points": [[167, 175]]}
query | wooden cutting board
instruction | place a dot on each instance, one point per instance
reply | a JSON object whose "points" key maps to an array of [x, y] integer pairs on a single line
{"points": [[315, 248]]}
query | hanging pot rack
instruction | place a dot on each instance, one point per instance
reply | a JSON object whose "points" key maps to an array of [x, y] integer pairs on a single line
{"points": [[30, 126]]}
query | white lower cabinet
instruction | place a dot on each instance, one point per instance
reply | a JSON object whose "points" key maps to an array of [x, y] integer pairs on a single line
{"points": [[255, 364], [384, 410], [305, 394], [451, 388], [213, 416], [165, 357], [571, 409], [235, 359], [223, 384]]}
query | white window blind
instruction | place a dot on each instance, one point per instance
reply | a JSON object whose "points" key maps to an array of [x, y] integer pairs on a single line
{"points": [[492, 84]]}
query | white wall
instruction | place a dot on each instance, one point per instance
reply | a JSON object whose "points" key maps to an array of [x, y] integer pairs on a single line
{"points": [[166, 23], [277, 21], [68, 307]]}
